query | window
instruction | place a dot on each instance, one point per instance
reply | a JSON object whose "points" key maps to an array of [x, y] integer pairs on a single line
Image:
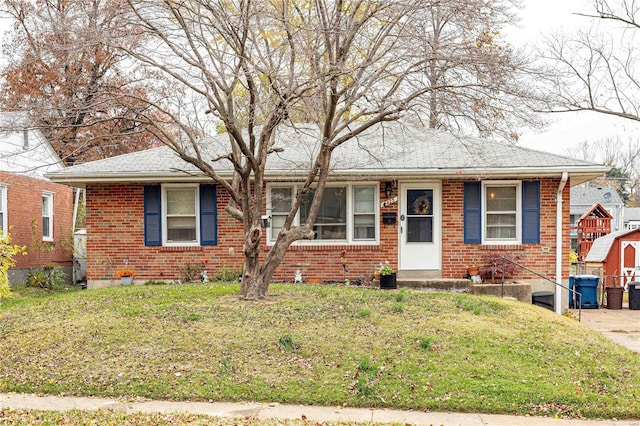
{"points": [[3, 209], [180, 215], [346, 213], [502, 212], [181, 219], [331, 221], [364, 212], [281, 201], [47, 216]]}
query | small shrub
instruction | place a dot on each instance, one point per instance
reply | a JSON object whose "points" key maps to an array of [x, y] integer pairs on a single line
{"points": [[495, 268], [7, 253], [286, 342], [398, 308], [48, 277], [400, 297], [227, 274], [190, 272], [154, 282]]}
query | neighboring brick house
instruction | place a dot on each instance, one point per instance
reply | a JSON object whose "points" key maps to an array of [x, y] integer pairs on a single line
{"points": [[36, 212], [425, 201]]}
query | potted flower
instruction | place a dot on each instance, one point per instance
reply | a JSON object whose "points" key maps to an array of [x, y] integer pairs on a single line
{"points": [[473, 270], [387, 277], [126, 275]]}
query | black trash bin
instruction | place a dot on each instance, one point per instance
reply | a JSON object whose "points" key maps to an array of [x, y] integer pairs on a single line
{"points": [[614, 297], [544, 299], [634, 295]]}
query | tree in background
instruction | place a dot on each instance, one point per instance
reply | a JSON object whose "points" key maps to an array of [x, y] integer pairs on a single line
{"points": [[624, 160], [73, 86], [478, 83], [597, 69]]}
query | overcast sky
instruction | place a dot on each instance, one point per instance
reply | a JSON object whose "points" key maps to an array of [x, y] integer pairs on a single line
{"points": [[541, 17], [547, 17]]}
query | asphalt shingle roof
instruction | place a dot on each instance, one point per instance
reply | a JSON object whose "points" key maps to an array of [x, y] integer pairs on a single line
{"points": [[590, 195], [601, 246], [390, 148]]}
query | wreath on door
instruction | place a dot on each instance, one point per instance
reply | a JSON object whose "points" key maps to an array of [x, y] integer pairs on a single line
{"points": [[421, 205]]}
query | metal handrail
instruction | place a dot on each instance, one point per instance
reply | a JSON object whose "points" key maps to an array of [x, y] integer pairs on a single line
{"points": [[576, 293]]}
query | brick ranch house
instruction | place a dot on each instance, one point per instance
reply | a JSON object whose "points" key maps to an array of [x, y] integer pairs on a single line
{"points": [[419, 199], [36, 212]]}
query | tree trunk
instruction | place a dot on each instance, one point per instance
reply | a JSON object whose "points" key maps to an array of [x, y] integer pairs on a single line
{"points": [[253, 286]]}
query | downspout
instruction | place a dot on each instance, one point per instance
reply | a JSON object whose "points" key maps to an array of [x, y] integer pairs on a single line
{"points": [[559, 242]]}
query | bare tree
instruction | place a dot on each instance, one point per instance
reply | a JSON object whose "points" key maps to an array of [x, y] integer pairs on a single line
{"points": [[71, 84], [597, 69], [624, 159], [478, 81]]}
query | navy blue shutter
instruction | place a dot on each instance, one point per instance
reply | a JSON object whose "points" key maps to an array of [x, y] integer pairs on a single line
{"points": [[208, 216], [152, 216], [472, 213], [531, 212]]}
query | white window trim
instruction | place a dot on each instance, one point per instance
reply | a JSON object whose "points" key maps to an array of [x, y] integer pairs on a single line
{"points": [[3, 202], [49, 195], [518, 185], [164, 215], [350, 214]]}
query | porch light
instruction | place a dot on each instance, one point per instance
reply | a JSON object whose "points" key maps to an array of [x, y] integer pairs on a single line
{"points": [[387, 189]]}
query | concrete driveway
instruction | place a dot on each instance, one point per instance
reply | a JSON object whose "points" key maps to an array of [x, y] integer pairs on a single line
{"points": [[620, 325]]}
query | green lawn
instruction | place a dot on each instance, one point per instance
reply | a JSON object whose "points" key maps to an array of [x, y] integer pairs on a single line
{"points": [[318, 345]]}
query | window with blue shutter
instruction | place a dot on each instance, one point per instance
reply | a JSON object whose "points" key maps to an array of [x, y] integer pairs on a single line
{"points": [[531, 212], [208, 216], [152, 216], [472, 213]]}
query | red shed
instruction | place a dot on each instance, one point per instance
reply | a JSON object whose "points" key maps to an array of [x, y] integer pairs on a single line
{"points": [[618, 254]]}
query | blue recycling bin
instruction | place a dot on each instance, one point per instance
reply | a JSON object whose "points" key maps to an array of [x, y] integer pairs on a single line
{"points": [[572, 295], [587, 286]]}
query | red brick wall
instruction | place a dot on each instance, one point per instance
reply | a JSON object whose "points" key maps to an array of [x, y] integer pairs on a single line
{"points": [[24, 207], [538, 257], [115, 237]]}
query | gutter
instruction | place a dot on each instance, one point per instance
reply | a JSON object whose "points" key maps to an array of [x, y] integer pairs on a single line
{"points": [[578, 175], [559, 242]]}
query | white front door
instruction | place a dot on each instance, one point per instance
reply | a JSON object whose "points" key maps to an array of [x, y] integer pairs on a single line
{"points": [[420, 222]]}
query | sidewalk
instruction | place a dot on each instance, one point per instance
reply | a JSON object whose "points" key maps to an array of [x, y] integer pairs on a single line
{"points": [[292, 412]]}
